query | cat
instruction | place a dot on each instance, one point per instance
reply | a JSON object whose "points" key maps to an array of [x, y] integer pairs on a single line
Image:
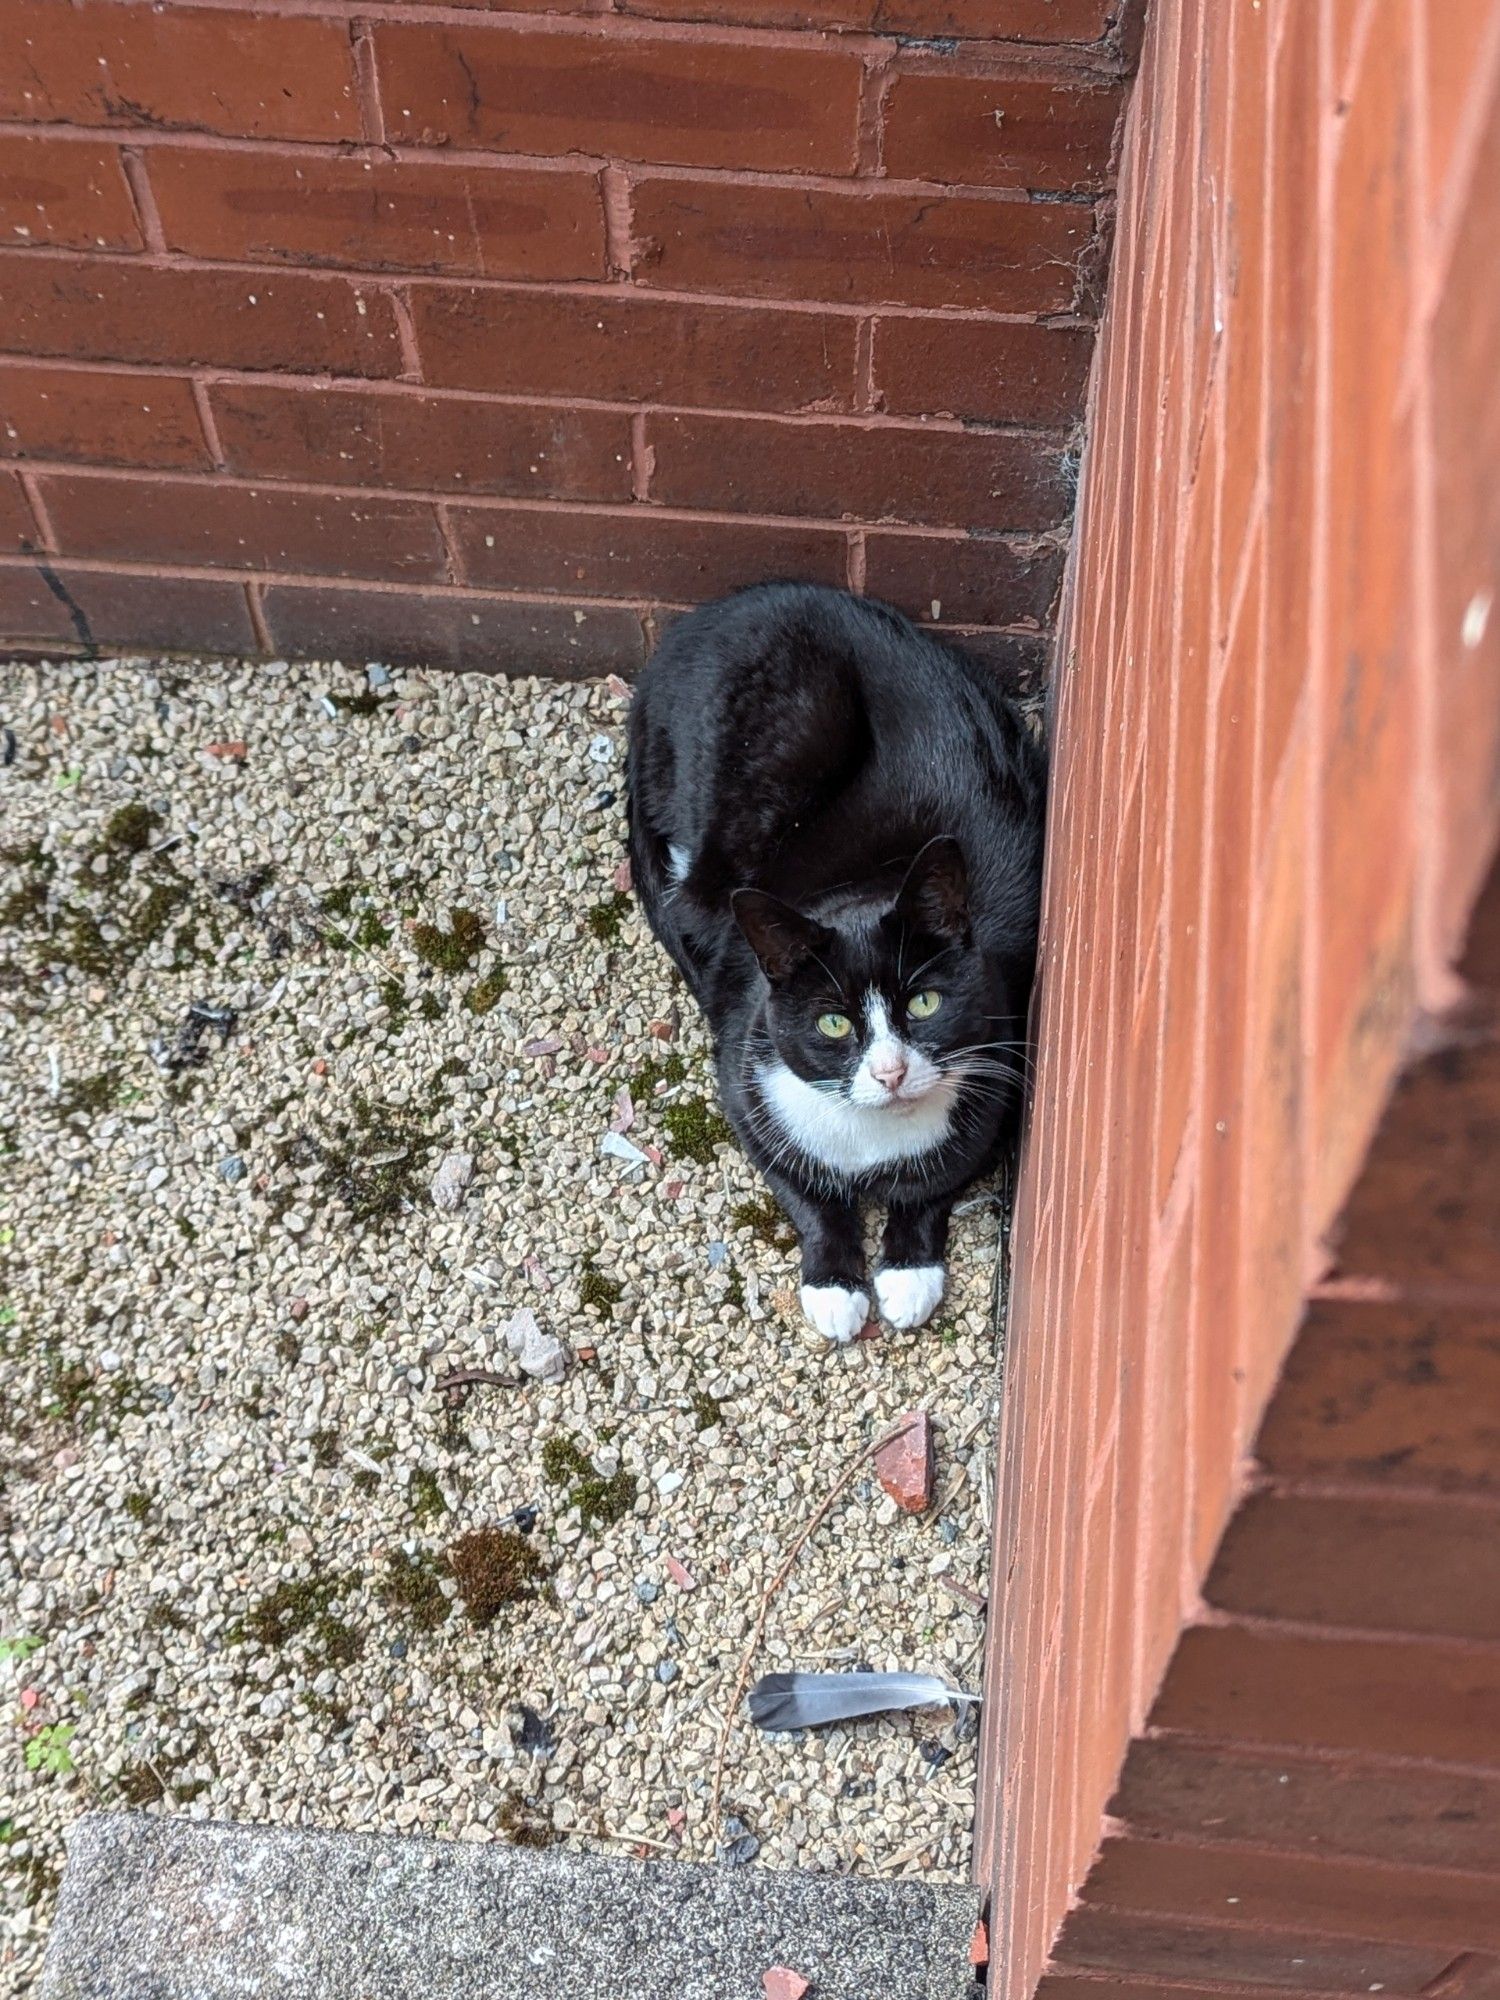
{"points": [[835, 827]]}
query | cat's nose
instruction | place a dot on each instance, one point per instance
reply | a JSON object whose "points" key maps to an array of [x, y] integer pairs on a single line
{"points": [[890, 1071]]}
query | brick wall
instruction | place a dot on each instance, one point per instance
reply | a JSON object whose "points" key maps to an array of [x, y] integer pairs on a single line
{"points": [[1275, 796], [485, 336]]}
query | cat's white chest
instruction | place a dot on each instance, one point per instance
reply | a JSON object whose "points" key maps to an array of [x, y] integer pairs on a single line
{"points": [[854, 1139]]}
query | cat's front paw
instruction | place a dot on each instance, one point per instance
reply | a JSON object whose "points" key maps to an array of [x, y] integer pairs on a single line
{"points": [[836, 1313], [909, 1294]]}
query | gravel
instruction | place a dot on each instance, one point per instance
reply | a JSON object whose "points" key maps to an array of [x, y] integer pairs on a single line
{"points": [[299, 1538]]}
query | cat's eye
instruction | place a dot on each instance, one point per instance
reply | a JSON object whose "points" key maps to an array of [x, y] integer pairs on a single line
{"points": [[835, 1026], [922, 1006]]}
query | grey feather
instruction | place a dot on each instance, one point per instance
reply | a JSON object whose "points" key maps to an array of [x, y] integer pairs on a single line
{"points": [[811, 1701]]}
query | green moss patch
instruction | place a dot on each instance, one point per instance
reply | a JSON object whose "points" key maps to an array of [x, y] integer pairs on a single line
{"points": [[695, 1129], [605, 919], [600, 1501], [453, 950], [412, 1587]]}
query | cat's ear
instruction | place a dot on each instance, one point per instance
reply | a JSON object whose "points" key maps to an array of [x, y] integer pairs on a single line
{"points": [[781, 937], [934, 898]]}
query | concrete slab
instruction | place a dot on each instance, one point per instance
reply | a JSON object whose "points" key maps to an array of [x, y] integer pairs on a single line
{"points": [[170, 1909]]}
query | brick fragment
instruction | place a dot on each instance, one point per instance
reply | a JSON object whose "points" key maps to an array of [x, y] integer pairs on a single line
{"points": [[905, 1463]]}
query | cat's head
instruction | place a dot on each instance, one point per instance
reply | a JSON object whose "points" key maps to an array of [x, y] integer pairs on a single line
{"points": [[888, 1004]]}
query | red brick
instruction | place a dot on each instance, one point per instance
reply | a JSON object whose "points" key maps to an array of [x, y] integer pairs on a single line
{"points": [[468, 632], [1006, 127], [1391, 1904], [1399, 1395], [1426, 1209], [996, 371], [353, 437], [17, 529], [409, 215], [31, 615], [1385, 1564], [906, 1462], [642, 554], [252, 76], [65, 193], [623, 347], [974, 580], [622, 95], [239, 527], [100, 608], [1454, 34], [101, 418], [101, 310], [1019, 660], [886, 472], [1396, 1699], [1411, 1817], [1299, 1960], [872, 247], [1019, 20], [1466, 506]]}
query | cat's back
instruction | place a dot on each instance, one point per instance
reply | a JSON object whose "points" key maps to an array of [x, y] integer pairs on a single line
{"points": [[792, 734]]}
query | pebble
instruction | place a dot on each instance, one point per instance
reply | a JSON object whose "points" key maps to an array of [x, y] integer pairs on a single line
{"points": [[261, 1458]]}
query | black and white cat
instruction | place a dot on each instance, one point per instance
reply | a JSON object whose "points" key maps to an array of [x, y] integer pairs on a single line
{"points": [[836, 831]]}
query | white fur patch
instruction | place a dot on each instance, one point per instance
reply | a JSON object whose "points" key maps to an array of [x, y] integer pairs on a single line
{"points": [[854, 1139], [836, 1313], [680, 863], [887, 1052], [909, 1295]]}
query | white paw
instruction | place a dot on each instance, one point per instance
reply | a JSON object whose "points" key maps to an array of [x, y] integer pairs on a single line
{"points": [[837, 1314], [909, 1295]]}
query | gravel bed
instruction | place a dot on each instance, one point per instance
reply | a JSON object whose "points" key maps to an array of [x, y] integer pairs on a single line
{"points": [[275, 943]]}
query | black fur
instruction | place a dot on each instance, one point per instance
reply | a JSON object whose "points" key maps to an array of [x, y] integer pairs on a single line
{"points": [[859, 803]]}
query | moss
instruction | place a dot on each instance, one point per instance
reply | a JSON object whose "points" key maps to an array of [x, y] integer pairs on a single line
{"points": [[325, 1449], [605, 919], [288, 1345], [139, 1785], [563, 1460], [522, 1823], [152, 919], [426, 1496], [368, 702], [594, 1289], [494, 1567], [339, 902], [764, 1219], [371, 933], [90, 1094], [453, 950], [84, 945], [129, 830], [365, 1481], [412, 1586], [302, 1607], [600, 1501], [430, 1007], [69, 1387], [695, 1129], [708, 1410], [138, 1505], [25, 905], [734, 1292], [393, 994], [372, 1161], [486, 993], [656, 1073]]}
